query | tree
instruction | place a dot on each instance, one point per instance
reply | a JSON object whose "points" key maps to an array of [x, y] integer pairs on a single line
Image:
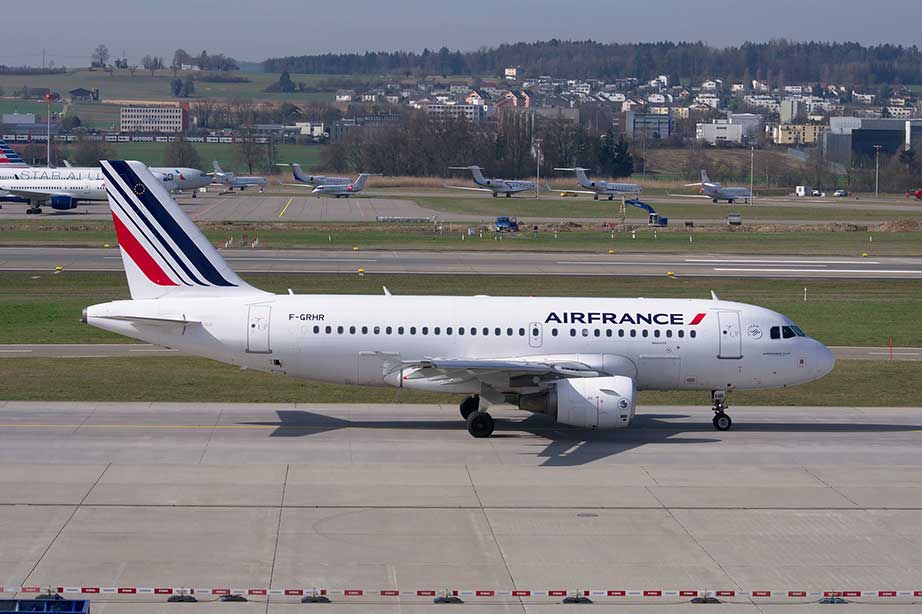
{"points": [[182, 153], [100, 56], [614, 156], [176, 87], [152, 63], [70, 122], [188, 87], [285, 83], [89, 152]]}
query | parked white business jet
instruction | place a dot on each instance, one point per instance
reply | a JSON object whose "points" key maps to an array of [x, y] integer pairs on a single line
{"points": [[578, 360], [714, 191], [303, 178], [232, 180], [600, 188], [343, 189], [494, 185]]}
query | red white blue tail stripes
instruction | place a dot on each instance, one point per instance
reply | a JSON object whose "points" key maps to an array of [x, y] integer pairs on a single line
{"points": [[9, 157], [157, 237]]}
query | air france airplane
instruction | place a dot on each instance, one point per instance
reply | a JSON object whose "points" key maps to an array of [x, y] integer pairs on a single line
{"points": [[580, 361], [599, 188], [496, 186]]}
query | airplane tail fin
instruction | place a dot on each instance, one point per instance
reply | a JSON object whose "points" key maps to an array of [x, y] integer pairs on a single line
{"points": [[217, 167], [299, 174], [581, 177], [478, 176], [163, 251], [362, 178], [704, 177], [9, 157]]}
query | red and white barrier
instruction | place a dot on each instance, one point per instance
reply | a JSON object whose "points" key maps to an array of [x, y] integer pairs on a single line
{"points": [[465, 593]]}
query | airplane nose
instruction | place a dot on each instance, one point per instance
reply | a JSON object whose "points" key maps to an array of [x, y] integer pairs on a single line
{"points": [[826, 360]]}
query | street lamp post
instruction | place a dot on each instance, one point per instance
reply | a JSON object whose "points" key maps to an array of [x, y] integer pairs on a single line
{"points": [[48, 98], [752, 166], [877, 171]]}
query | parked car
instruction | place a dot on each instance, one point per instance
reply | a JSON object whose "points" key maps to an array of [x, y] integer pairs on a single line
{"points": [[840, 194]]}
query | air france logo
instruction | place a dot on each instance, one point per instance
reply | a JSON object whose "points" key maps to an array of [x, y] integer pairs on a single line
{"points": [[599, 317]]}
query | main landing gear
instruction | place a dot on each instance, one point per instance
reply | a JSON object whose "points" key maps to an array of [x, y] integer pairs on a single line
{"points": [[479, 423], [722, 421]]}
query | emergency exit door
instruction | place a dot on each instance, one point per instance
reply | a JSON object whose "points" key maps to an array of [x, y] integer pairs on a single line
{"points": [[731, 341], [258, 329], [535, 334]]}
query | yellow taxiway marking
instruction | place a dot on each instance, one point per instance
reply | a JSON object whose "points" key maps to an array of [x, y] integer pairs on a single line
{"points": [[285, 208]]}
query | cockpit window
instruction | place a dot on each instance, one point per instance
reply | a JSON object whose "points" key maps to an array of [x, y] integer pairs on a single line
{"points": [[799, 332], [775, 332], [787, 332]]}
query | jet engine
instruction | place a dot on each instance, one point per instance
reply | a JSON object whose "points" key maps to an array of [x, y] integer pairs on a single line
{"points": [[587, 402], [63, 203]]}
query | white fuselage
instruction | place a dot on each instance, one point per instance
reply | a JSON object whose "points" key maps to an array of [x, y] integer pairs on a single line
{"points": [[665, 344], [44, 189], [172, 178], [716, 192], [505, 186]]}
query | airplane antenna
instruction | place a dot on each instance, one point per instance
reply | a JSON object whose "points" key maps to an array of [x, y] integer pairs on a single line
{"points": [[386, 291], [714, 296]]}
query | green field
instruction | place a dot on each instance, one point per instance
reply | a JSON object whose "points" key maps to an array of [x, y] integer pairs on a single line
{"points": [[45, 307], [28, 106], [179, 379], [677, 212], [588, 238], [142, 86], [152, 154]]}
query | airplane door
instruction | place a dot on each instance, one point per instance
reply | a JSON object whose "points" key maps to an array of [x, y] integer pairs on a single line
{"points": [[731, 342], [535, 334], [258, 329]]}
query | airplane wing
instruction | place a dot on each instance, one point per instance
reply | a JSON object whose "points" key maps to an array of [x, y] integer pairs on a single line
{"points": [[491, 371], [569, 191], [42, 196], [690, 195], [457, 187]]}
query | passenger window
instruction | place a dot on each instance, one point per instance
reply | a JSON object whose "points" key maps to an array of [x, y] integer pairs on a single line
{"points": [[692, 334], [572, 332], [633, 332], [585, 332], [460, 330], [364, 330], [534, 332], [521, 332], [436, 331], [448, 330], [329, 329], [787, 333], [553, 332], [621, 332], [775, 332], [608, 333], [400, 330], [412, 330], [681, 334], [497, 331], [377, 330], [486, 331], [508, 332], [425, 330], [351, 330], [388, 330], [339, 329], [656, 333], [597, 332], [669, 334], [316, 329], [473, 330], [645, 332]]}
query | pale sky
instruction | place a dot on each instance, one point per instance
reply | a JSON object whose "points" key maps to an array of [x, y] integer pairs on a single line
{"points": [[254, 31]]}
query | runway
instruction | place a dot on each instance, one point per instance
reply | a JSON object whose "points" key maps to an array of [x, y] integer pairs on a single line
{"points": [[495, 263], [122, 350], [400, 497]]}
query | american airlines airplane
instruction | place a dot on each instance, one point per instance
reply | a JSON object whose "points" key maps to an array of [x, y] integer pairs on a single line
{"points": [[580, 361], [597, 188], [496, 186], [713, 190]]}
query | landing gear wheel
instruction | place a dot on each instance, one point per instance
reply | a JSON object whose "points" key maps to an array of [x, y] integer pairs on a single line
{"points": [[508, 194], [722, 422], [469, 405], [480, 424]]}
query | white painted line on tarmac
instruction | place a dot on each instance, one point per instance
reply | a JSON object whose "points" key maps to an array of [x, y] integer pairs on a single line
{"points": [[760, 261], [767, 270], [16, 351], [153, 350], [894, 353]]}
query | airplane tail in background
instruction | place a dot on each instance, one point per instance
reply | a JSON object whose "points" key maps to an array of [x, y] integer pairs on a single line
{"points": [[478, 176], [359, 183], [164, 253], [704, 177], [217, 167], [299, 174], [581, 178], [9, 157]]}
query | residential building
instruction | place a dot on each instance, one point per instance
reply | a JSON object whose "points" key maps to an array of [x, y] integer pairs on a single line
{"points": [[470, 112], [679, 112], [863, 98], [710, 100], [796, 134], [344, 95], [720, 131], [511, 73], [790, 108], [154, 118], [900, 112]]}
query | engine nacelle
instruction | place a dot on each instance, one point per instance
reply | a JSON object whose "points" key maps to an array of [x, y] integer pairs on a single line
{"points": [[63, 203], [587, 402]]}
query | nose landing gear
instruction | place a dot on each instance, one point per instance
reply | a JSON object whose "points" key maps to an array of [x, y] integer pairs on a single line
{"points": [[722, 421]]}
